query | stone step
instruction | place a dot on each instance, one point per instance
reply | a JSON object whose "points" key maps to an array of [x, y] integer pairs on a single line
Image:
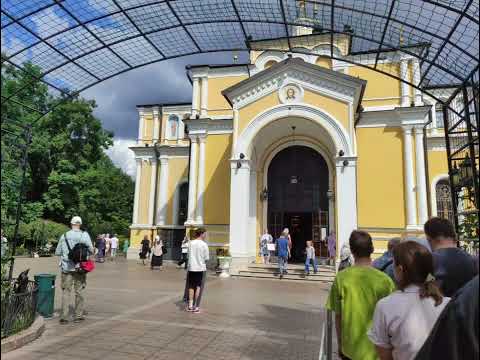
{"points": [[324, 272], [290, 276], [293, 268]]}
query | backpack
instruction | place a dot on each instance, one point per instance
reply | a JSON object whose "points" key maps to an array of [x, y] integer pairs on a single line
{"points": [[79, 253]]}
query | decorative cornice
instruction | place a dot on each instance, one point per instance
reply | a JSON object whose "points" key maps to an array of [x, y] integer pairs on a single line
{"points": [[209, 126], [400, 116], [315, 78]]}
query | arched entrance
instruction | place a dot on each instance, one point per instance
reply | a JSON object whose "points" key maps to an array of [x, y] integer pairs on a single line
{"points": [[298, 182]]}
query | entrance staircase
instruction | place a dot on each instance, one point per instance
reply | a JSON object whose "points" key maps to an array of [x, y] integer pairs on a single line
{"points": [[325, 274]]}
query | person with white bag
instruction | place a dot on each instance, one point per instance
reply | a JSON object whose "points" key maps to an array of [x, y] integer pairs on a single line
{"points": [[266, 242]]}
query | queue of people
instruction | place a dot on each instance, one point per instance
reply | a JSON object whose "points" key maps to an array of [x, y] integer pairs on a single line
{"points": [[106, 247], [419, 297]]}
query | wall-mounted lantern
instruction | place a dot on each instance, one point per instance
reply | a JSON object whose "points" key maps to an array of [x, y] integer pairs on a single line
{"points": [[264, 194]]}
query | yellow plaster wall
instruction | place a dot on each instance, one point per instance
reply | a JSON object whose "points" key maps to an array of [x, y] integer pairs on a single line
{"points": [[144, 193], [216, 101], [336, 108], [136, 236], [380, 183], [148, 128], [177, 171], [379, 85], [217, 179], [163, 128], [437, 164]]}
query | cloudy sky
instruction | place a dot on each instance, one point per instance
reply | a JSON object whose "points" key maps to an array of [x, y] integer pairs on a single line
{"points": [[157, 83]]}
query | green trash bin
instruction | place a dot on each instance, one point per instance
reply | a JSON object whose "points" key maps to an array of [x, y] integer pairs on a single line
{"points": [[46, 294]]}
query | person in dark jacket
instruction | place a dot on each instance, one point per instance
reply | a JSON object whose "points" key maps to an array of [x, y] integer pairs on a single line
{"points": [[453, 266], [283, 253], [145, 249], [455, 335]]}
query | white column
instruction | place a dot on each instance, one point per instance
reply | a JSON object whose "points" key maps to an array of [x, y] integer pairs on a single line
{"points": [[235, 130], [156, 125], [151, 199], [141, 126], [137, 191], [239, 210], [203, 98], [404, 93], [162, 192], [195, 97], [416, 81], [192, 181], [201, 180], [421, 179], [346, 200], [409, 179]]}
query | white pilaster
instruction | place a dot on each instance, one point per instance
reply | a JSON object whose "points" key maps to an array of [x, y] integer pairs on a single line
{"points": [[141, 126], [153, 183], [137, 191], [416, 81], [409, 179], [204, 98], [192, 182], [421, 178], [201, 179], [156, 124], [195, 97], [163, 192], [346, 199], [404, 91], [331, 210], [239, 210]]}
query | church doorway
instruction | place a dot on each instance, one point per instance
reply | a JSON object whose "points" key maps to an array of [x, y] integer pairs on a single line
{"points": [[298, 182]]}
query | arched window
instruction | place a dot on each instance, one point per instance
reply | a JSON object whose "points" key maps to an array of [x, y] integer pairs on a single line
{"points": [[173, 124], [444, 200], [269, 63]]}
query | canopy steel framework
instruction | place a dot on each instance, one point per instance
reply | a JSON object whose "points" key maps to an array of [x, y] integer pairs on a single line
{"points": [[80, 43]]}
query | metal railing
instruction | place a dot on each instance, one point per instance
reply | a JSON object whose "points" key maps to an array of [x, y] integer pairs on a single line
{"points": [[326, 342], [18, 307]]}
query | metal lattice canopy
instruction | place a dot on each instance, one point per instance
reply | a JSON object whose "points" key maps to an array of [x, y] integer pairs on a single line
{"points": [[79, 43]]}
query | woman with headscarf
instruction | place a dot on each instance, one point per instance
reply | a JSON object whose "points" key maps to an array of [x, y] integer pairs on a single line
{"points": [[157, 253], [346, 258]]}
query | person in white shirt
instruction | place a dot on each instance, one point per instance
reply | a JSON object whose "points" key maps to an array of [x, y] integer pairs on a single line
{"points": [[114, 246], [198, 256], [403, 320], [265, 239], [184, 259]]}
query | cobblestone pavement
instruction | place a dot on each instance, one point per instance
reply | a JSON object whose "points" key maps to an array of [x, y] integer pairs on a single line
{"points": [[135, 313]]}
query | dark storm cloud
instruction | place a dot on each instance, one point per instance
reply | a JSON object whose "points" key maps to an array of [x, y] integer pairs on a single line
{"points": [[157, 83]]}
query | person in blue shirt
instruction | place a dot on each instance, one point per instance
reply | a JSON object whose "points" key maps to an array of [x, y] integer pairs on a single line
{"points": [[283, 253]]}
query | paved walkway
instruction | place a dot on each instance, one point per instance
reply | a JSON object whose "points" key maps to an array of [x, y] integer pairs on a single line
{"points": [[135, 313]]}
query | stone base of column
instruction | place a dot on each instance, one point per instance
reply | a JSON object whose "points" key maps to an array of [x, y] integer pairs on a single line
{"points": [[132, 253], [240, 263]]}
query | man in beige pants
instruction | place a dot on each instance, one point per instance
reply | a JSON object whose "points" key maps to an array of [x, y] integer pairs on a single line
{"points": [[72, 278]]}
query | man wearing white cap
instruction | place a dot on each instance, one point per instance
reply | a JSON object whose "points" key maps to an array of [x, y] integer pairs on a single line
{"points": [[71, 278]]}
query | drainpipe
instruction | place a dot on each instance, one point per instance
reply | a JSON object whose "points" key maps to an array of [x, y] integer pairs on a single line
{"points": [[425, 157], [188, 165], [155, 196]]}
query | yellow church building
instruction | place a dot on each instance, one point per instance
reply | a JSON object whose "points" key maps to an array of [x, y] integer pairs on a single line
{"points": [[291, 140]]}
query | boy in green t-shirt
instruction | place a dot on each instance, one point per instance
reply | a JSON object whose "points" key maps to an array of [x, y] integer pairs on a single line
{"points": [[353, 296]]}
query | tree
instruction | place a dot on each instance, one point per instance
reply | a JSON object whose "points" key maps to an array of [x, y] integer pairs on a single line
{"points": [[68, 171]]}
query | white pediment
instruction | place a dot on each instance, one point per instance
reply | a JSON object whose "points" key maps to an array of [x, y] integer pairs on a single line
{"points": [[290, 79]]}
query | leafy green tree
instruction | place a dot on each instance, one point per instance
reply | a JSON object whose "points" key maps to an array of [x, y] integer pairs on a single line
{"points": [[68, 172]]}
